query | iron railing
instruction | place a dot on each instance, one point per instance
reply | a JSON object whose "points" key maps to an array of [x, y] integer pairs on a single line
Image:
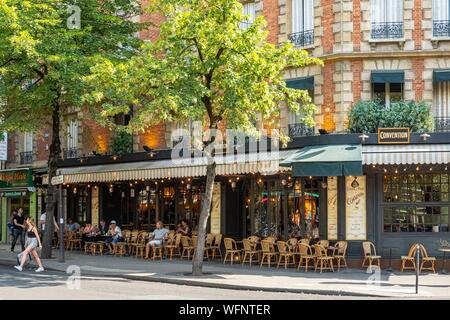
{"points": [[442, 124], [300, 130], [387, 30], [302, 39], [70, 153], [441, 28], [26, 157]]}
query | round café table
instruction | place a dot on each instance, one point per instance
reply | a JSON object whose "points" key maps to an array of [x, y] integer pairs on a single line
{"points": [[444, 250]]}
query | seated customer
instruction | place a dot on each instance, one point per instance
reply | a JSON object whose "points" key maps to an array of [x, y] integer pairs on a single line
{"points": [[184, 228], [116, 237], [72, 225], [157, 237], [103, 230], [89, 232]]}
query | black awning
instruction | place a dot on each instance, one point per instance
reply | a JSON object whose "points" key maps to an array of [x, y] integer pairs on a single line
{"points": [[305, 83], [388, 76], [441, 76]]}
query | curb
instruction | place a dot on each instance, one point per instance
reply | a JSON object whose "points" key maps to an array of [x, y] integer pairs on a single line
{"points": [[194, 283]]}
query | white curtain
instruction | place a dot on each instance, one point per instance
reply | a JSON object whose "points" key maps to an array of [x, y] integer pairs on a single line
{"points": [[72, 135], [441, 99], [28, 142], [386, 11], [302, 15], [441, 10], [249, 9]]}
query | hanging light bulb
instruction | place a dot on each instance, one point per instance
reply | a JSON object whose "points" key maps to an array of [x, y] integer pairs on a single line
{"points": [[74, 190], [417, 168]]}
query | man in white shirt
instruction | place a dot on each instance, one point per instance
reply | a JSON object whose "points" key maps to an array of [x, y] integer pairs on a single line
{"points": [[157, 237], [42, 221], [116, 236]]}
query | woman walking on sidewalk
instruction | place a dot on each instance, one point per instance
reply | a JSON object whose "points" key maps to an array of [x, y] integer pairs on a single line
{"points": [[32, 244]]}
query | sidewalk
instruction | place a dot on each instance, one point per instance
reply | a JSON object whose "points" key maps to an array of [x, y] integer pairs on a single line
{"points": [[345, 282]]}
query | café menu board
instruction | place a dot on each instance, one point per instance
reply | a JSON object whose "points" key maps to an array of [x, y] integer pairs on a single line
{"points": [[216, 208], [332, 208], [355, 208]]}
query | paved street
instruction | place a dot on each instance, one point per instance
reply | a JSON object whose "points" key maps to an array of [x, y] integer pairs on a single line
{"points": [[53, 285]]}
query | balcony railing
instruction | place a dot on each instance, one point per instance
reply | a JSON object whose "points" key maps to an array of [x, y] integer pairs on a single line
{"points": [[387, 30], [70, 153], [300, 130], [441, 28], [302, 39], [442, 124], [26, 157]]}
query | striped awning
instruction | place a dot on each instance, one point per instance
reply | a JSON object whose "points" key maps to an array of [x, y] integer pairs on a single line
{"points": [[406, 154], [266, 163]]}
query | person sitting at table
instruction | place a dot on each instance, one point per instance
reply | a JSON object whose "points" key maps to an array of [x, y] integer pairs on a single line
{"points": [[116, 236], [72, 225], [103, 230], [157, 237], [184, 228], [89, 232]]}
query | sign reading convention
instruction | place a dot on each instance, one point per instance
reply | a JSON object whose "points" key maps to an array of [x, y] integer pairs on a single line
{"points": [[393, 135]]}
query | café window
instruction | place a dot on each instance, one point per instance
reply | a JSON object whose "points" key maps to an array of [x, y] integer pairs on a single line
{"points": [[387, 93], [302, 23], [416, 203]]}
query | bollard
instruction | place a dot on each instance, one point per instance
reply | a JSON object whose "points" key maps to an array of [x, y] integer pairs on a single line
{"points": [[417, 267]]}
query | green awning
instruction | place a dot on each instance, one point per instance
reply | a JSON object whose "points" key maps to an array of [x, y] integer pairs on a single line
{"points": [[325, 161], [306, 83], [387, 77], [441, 76]]}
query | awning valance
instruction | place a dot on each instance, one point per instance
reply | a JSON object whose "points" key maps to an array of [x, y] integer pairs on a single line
{"points": [[395, 76], [162, 169], [441, 76], [325, 161], [305, 83], [406, 154]]}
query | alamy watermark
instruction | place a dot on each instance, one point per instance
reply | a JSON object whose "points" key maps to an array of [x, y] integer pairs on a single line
{"points": [[74, 280], [74, 19]]}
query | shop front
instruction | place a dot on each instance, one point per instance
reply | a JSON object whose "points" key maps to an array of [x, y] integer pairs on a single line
{"points": [[16, 191]]}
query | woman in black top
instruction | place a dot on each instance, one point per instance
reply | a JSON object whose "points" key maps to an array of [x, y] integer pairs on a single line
{"points": [[32, 244]]}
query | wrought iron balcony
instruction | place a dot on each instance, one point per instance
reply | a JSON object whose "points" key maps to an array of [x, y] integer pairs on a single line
{"points": [[387, 30], [441, 28], [70, 153], [26, 157], [442, 124], [302, 39], [300, 130]]}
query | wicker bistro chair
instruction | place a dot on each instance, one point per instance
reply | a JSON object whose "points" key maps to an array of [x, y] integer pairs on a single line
{"points": [[427, 259], [216, 246], [98, 246], [306, 256], [408, 262], [73, 240], [272, 240], [231, 250], [138, 247], [174, 246], [305, 241], [250, 252], [339, 253], [324, 243], [322, 258], [370, 254], [188, 248], [285, 254], [268, 253]]}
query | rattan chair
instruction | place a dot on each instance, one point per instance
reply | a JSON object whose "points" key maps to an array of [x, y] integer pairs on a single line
{"points": [[408, 262], [216, 247], [268, 253], [339, 253], [285, 254], [306, 256], [250, 252], [370, 254], [174, 247], [231, 250], [427, 259], [322, 259], [188, 248], [324, 243]]}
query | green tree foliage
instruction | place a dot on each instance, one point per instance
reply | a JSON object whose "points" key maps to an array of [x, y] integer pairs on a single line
{"points": [[203, 67], [42, 63], [121, 143], [368, 116]]}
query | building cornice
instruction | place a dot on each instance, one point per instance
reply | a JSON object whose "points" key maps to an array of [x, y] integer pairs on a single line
{"points": [[384, 54]]}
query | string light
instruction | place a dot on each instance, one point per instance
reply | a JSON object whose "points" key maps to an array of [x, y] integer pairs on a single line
{"points": [[385, 170], [417, 168]]}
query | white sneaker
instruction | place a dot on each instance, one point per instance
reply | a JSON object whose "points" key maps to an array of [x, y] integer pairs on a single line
{"points": [[18, 268], [40, 269]]}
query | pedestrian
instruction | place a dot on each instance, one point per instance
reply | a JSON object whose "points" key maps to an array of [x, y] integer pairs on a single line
{"points": [[33, 244], [10, 225], [18, 229], [42, 221]]}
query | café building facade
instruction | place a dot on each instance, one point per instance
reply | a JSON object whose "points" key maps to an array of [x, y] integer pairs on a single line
{"points": [[391, 188]]}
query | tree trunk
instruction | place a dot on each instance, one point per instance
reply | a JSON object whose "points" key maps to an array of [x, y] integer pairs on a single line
{"points": [[54, 155], [197, 261]]}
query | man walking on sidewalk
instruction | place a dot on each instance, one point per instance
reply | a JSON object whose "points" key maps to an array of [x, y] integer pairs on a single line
{"points": [[18, 229]]}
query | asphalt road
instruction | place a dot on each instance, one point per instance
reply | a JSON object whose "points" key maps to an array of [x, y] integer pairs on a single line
{"points": [[57, 286]]}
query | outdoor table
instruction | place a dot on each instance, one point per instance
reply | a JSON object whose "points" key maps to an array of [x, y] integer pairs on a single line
{"points": [[444, 250]]}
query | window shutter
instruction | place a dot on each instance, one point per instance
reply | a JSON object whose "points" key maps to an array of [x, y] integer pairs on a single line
{"points": [[297, 16], [308, 15], [72, 135]]}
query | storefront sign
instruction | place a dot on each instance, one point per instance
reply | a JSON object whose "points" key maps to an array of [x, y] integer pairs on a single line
{"points": [[216, 208], [393, 135], [16, 178], [4, 147], [355, 208], [332, 208], [57, 180]]}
